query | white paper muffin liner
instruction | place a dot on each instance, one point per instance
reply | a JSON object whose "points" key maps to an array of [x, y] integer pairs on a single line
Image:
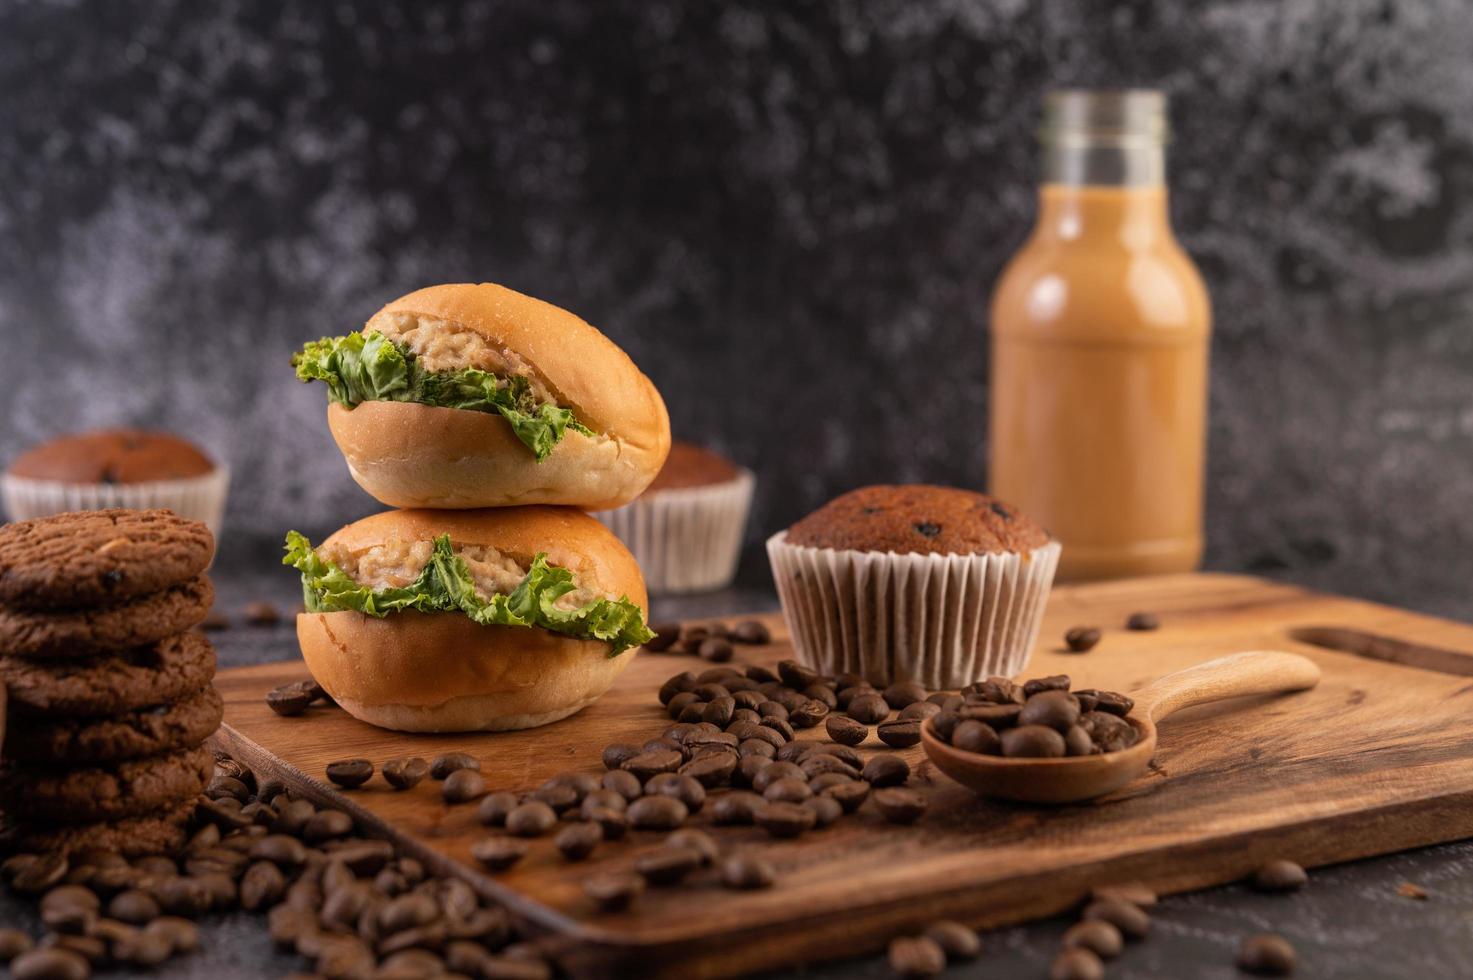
{"points": [[943, 621], [200, 498], [687, 539]]}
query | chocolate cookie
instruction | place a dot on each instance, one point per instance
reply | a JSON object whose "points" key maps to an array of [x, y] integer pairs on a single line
{"points": [[101, 556], [131, 735], [161, 831], [168, 670], [119, 789], [81, 632]]}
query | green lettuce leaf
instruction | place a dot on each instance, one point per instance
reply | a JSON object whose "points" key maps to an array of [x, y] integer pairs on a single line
{"points": [[446, 585], [370, 367]]}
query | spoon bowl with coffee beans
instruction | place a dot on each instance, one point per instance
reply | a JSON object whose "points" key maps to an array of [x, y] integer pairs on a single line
{"points": [[1040, 742]]}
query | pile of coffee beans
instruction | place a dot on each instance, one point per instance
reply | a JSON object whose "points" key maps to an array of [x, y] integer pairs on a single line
{"points": [[1041, 718], [709, 641], [351, 905]]}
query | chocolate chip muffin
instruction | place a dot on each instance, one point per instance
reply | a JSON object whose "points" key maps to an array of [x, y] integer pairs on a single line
{"points": [[932, 584]]}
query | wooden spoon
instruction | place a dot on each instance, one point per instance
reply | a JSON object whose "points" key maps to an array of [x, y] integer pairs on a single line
{"points": [[1084, 777]]}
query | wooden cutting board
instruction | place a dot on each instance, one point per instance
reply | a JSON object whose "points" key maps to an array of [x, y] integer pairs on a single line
{"points": [[1376, 759]]}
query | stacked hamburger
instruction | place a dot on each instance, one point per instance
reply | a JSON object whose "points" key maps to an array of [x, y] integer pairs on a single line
{"points": [[110, 694], [491, 601]]}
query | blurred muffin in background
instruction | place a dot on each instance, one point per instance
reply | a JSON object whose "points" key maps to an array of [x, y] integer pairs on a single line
{"points": [[685, 530], [106, 468]]}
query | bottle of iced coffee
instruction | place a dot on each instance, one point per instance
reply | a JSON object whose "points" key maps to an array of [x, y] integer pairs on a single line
{"points": [[1100, 330]]}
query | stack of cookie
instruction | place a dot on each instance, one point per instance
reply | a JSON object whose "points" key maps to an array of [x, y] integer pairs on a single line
{"points": [[110, 694]]}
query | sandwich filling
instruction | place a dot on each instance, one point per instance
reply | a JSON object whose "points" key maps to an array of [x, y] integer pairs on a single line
{"points": [[490, 587], [407, 359]]}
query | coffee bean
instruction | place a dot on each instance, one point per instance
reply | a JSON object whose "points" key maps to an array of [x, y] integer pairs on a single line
{"points": [[746, 872], [795, 675], [787, 790], [326, 825], [994, 716], [181, 935], [617, 754], [899, 734], [137, 907], [656, 813], [50, 964], [822, 764], [462, 786], [613, 891], [293, 817], [625, 783], [289, 700], [716, 649], [711, 770], [916, 956], [807, 714], [825, 809], [921, 710], [222, 786], [531, 819], [784, 819], [959, 942], [1131, 920], [751, 631], [900, 805], [903, 693], [683, 788], [780, 729], [976, 736], [281, 850], [868, 709], [1058, 710], [494, 808], [1110, 732], [90, 948], [1111, 702], [719, 711], [1054, 682], [668, 865], [1032, 742], [666, 636], [498, 853], [13, 943], [1097, 936], [1279, 876], [845, 731], [1082, 639], [1142, 621], [70, 909], [350, 773], [819, 691], [261, 886], [365, 857], [443, 765], [1076, 963], [405, 773], [652, 763], [407, 912], [697, 840], [1135, 892], [1267, 955], [1078, 742], [678, 704], [849, 794], [736, 807], [772, 772], [886, 770], [710, 691]]}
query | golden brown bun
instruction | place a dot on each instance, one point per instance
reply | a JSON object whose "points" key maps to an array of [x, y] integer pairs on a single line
{"points": [[113, 456], [408, 455], [441, 672]]}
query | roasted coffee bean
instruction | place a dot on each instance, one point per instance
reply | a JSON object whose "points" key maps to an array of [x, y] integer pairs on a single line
{"points": [[849, 794], [281, 850], [613, 891], [289, 700], [531, 819], [498, 853], [1111, 702], [920, 710], [1135, 892], [70, 909], [326, 825], [976, 736], [13, 943], [784, 819], [808, 714], [747, 872], [795, 675], [787, 790], [668, 865], [137, 907], [868, 709], [1054, 682], [1058, 710], [1082, 639], [1131, 920], [761, 674], [222, 786], [463, 786], [757, 747], [187, 896], [822, 764], [1110, 732], [666, 636], [405, 773], [261, 887], [683, 788], [995, 716], [775, 771], [957, 941], [899, 734], [648, 764], [750, 699], [698, 841], [558, 795], [679, 684], [1032, 742], [350, 773], [710, 691], [719, 711], [1078, 742], [903, 693], [50, 964], [293, 817], [781, 729], [736, 807], [612, 823], [407, 912], [1142, 621], [825, 809], [657, 812], [1076, 963], [900, 805], [443, 765], [716, 649], [365, 857], [181, 934], [846, 694], [494, 808], [577, 840], [751, 631], [1097, 936], [603, 798], [822, 692], [748, 769], [845, 731], [625, 783], [91, 948], [843, 753], [719, 675], [680, 702], [1265, 954], [1279, 876], [915, 957], [886, 770], [711, 770]]}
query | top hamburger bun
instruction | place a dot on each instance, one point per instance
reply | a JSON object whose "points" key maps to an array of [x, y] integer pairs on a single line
{"points": [[412, 455]]}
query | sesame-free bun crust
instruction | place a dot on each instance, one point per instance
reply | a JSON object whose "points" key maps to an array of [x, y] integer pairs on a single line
{"points": [[441, 672], [409, 455]]}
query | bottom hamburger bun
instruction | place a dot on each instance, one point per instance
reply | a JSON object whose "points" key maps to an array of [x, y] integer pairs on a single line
{"points": [[441, 672]]}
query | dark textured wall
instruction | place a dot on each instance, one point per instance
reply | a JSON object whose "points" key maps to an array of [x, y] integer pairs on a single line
{"points": [[790, 215]]}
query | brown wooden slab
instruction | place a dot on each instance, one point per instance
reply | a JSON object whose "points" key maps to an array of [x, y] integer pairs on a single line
{"points": [[1374, 760]]}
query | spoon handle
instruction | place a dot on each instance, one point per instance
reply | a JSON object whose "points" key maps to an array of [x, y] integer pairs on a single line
{"points": [[1234, 676]]}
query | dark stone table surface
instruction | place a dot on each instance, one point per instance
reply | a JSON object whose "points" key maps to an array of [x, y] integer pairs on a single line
{"points": [[1348, 923]]}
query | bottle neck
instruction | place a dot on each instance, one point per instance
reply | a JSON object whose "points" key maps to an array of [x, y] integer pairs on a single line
{"points": [[1136, 216], [1127, 160]]}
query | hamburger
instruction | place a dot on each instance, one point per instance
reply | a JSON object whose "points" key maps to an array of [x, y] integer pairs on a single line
{"points": [[475, 620], [465, 396]]}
